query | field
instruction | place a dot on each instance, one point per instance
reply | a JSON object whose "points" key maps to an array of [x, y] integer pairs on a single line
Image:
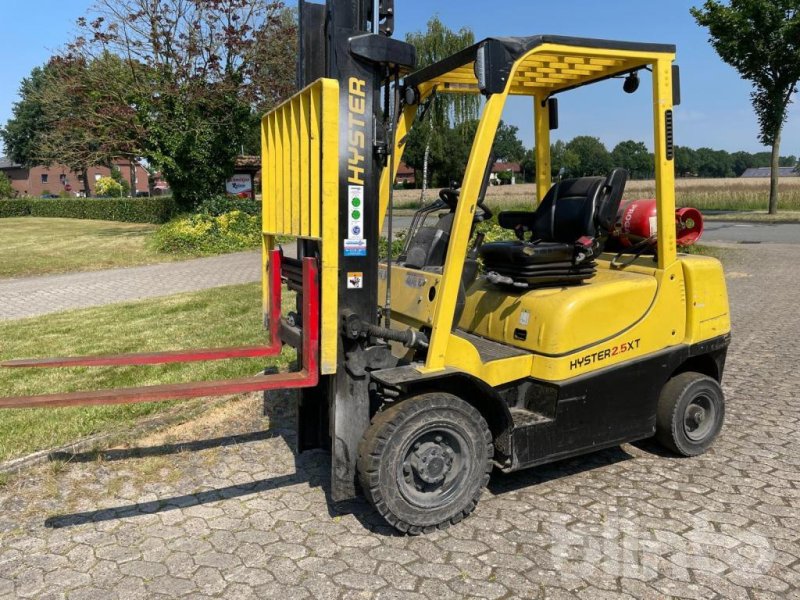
{"points": [[230, 316], [703, 194], [35, 246]]}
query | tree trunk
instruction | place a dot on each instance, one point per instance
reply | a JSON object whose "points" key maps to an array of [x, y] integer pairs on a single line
{"points": [[132, 192], [425, 172], [775, 174], [425, 162], [87, 188]]}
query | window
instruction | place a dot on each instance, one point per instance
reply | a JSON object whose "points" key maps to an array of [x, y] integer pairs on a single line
{"points": [[44, 177], [63, 179], [97, 176]]}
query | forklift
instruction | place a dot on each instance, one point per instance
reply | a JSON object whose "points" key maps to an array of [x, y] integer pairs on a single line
{"points": [[423, 373]]}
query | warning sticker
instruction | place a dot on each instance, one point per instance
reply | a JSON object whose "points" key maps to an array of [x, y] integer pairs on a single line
{"points": [[355, 281]]}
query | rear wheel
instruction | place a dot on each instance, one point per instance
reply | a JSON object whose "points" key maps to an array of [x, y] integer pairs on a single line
{"points": [[691, 410], [424, 462]]}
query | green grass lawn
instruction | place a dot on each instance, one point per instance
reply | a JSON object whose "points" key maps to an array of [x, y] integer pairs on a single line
{"points": [[228, 316], [35, 246]]}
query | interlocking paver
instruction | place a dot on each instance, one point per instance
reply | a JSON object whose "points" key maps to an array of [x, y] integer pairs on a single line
{"points": [[251, 520], [35, 296]]}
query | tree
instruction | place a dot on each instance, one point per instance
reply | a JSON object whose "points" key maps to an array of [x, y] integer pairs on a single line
{"points": [[634, 157], [713, 163], [593, 157], [6, 189], [108, 187], [200, 74], [685, 161], [563, 160], [507, 145], [448, 110], [529, 166], [741, 162], [27, 122], [71, 114], [761, 40]]}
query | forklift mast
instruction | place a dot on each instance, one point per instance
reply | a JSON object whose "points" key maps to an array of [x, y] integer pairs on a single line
{"points": [[349, 41]]}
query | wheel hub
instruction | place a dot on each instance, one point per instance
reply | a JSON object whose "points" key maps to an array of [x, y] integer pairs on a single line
{"points": [[697, 415], [432, 462], [699, 418]]}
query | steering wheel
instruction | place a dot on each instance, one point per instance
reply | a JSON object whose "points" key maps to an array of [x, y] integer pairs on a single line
{"points": [[450, 197]]}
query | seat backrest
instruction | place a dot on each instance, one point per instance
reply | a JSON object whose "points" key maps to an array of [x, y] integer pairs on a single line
{"points": [[428, 248], [574, 208], [567, 212], [609, 201]]}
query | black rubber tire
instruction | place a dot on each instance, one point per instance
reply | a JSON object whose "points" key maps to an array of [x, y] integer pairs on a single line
{"points": [[677, 395], [387, 444]]}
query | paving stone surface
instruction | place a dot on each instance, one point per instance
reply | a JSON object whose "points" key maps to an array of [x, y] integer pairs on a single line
{"points": [[34, 296], [234, 514]]}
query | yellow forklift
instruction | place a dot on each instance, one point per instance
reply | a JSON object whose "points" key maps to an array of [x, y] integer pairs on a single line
{"points": [[424, 373]]}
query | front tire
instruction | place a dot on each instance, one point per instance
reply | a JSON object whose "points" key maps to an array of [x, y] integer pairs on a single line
{"points": [[424, 462], [691, 411]]}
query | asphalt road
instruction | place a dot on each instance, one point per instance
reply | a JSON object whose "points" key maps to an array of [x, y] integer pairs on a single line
{"points": [[776, 233], [718, 231]]}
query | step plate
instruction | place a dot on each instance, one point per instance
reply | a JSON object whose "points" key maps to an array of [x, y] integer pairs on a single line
{"points": [[488, 350]]}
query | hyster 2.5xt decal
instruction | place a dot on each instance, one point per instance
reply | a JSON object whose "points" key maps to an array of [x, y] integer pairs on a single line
{"points": [[602, 355]]}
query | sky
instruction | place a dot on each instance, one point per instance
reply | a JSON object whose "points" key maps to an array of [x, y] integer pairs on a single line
{"points": [[715, 111]]}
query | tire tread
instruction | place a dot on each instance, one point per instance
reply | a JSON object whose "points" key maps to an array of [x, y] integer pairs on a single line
{"points": [[375, 440]]}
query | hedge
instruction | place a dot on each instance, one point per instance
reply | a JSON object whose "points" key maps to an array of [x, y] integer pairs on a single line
{"points": [[15, 208], [128, 210]]}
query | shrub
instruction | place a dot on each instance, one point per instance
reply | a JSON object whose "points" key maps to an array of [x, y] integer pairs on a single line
{"points": [[398, 243], [494, 233], [6, 189], [128, 210], [505, 177], [225, 203], [207, 234], [107, 186], [15, 208]]}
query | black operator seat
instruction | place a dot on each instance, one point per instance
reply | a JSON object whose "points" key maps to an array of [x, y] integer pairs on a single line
{"points": [[428, 248], [560, 240]]}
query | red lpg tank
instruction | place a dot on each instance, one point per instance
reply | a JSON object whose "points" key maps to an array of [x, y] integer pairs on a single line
{"points": [[637, 221]]}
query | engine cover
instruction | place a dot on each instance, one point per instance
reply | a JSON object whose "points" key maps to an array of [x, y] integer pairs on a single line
{"points": [[562, 320]]}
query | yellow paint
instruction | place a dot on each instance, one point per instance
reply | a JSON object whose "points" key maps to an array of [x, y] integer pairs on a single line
{"points": [[665, 168], [462, 225], [557, 321], [708, 313], [403, 127], [300, 191], [544, 168], [329, 200], [414, 294]]}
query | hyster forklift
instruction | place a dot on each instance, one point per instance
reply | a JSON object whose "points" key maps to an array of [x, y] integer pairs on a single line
{"points": [[423, 373]]}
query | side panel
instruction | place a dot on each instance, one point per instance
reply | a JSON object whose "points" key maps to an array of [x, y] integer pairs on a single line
{"points": [[614, 406], [707, 310]]}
